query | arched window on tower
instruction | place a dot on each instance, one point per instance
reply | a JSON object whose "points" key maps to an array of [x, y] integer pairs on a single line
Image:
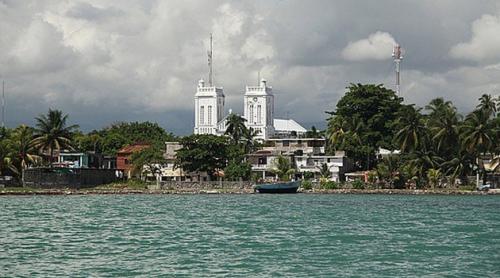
{"points": [[259, 114], [210, 114], [202, 115], [251, 120]]}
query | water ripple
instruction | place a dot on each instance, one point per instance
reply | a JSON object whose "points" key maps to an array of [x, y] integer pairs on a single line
{"points": [[250, 235]]}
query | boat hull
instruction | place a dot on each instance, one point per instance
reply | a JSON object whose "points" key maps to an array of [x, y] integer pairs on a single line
{"points": [[278, 188]]}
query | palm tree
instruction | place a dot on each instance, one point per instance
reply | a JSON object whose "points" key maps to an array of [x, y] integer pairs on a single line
{"points": [[235, 127], [445, 130], [342, 130], [248, 136], [459, 166], [52, 132], [487, 105], [477, 132], [324, 171], [282, 167], [5, 158], [438, 107], [23, 151], [434, 175], [411, 135]]}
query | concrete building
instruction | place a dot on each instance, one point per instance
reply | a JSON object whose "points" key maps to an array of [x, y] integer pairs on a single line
{"points": [[306, 155]]}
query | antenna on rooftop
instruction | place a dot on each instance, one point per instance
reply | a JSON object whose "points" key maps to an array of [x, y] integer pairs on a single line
{"points": [[3, 103], [397, 54], [210, 62]]}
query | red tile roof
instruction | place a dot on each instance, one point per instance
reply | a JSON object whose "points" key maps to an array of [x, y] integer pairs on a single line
{"points": [[133, 148]]}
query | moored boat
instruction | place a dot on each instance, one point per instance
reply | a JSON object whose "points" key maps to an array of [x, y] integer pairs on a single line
{"points": [[277, 187]]}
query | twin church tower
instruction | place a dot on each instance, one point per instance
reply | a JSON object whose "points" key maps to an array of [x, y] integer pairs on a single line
{"points": [[258, 110]]}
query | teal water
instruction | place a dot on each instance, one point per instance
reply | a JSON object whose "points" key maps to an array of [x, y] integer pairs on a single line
{"points": [[250, 235]]}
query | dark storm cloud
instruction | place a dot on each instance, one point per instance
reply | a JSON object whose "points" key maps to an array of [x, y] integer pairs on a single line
{"points": [[104, 61]]}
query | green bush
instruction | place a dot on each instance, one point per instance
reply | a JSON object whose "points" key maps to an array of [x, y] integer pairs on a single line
{"points": [[330, 185], [308, 175], [306, 185], [358, 184]]}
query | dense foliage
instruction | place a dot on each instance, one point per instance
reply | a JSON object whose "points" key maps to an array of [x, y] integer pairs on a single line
{"points": [[436, 142], [26, 146], [363, 121], [203, 153], [110, 139]]}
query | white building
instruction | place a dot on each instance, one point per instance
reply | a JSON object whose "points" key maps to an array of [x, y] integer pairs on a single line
{"points": [[209, 109], [258, 107]]}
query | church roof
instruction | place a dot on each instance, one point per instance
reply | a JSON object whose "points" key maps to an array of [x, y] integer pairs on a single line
{"points": [[281, 125]]}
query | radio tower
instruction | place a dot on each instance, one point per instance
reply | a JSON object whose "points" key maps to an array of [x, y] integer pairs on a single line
{"points": [[3, 103], [210, 57], [398, 57]]}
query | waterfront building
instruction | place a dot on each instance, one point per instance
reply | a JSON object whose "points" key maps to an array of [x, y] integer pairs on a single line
{"points": [[123, 156], [306, 154]]}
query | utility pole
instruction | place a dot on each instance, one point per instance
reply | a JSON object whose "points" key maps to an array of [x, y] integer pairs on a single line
{"points": [[398, 57]]}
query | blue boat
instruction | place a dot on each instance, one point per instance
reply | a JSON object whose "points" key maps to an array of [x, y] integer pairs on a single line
{"points": [[277, 187]]}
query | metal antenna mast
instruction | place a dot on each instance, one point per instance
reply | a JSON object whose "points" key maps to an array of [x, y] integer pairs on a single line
{"points": [[3, 103], [210, 57], [398, 57]]}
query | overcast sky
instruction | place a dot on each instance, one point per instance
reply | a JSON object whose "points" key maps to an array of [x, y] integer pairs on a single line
{"points": [[103, 61]]}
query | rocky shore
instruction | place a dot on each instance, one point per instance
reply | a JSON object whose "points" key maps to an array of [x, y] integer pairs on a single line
{"points": [[242, 190]]}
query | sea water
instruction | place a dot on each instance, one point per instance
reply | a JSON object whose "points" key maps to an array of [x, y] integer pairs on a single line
{"points": [[297, 235]]}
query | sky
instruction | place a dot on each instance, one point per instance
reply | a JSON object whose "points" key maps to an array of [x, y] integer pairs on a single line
{"points": [[106, 61]]}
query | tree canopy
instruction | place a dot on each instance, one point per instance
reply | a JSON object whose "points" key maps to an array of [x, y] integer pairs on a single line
{"points": [[363, 121]]}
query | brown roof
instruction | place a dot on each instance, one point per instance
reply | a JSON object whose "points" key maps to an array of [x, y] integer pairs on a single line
{"points": [[132, 148]]}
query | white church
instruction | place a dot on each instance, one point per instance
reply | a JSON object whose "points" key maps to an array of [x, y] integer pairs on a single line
{"points": [[258, 101]]}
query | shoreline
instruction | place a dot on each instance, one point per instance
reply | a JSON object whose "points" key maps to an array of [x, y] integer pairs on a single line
{"points": [[241, 191]]}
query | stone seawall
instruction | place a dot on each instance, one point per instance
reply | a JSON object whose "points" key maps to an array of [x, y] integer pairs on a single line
{"points": [[203, 185], [67, 177]]}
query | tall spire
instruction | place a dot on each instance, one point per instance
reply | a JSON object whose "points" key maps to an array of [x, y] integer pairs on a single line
{"points": [[210, 62]]}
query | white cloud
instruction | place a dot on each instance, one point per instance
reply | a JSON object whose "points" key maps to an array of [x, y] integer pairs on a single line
{"points": [[378, 46], [485, 41]]}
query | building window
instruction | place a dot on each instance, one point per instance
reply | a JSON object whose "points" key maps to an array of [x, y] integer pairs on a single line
{"points": [[202, 115], [259, 114], [286, 143], [210, 114], [262, 160], [251, 114]]}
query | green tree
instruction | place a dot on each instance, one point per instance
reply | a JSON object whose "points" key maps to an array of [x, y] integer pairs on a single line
{"points": [[24, 154], [412, 130], [6, 164], [433, 176], [324, 171], [238, 169], [488, 105], [282, 167], [203, 153], [477, 132], [148, 160], [118, 135], [52, 133], [235, 127], [363, 122], [445, 130]]}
